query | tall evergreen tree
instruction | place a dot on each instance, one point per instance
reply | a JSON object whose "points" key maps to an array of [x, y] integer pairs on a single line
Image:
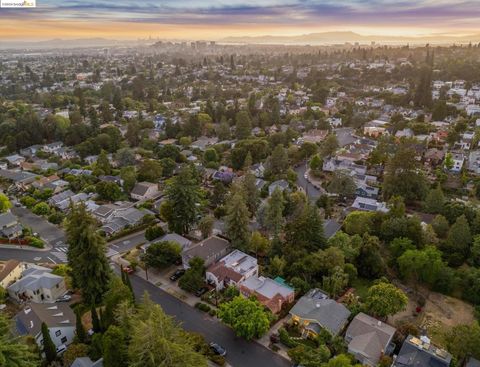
{"points": [[79, 329], [237, 220], [274, 212], [252, 196], [184, 195], [103, 163], [115, 352], [86, 255], [48, 347]]}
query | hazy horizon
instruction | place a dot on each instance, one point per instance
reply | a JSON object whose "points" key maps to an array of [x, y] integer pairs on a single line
{"points": [[216, 20]]}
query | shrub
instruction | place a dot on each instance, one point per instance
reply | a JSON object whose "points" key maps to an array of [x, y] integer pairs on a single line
{"points": [[285, 338], [154, 232], [203, 307], [41, 209], [212, 312], [35, 242]]}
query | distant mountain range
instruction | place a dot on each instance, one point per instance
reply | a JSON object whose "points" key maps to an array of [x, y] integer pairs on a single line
{"points": [[342, 37], [322, 38]]}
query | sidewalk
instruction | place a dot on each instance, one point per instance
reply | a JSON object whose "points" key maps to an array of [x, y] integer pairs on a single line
{"points": [[47, 247]]}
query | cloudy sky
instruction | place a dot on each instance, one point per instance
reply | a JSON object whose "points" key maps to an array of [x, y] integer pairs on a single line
{"points": [[201, 19]]}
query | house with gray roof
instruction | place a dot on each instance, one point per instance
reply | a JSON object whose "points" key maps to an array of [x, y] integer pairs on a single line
{"points": [[210, 250], [182, 241], [417, 352], [9, 226], [369, 339], [58, 317], [280, 184], [39, 285], [316, 311]]}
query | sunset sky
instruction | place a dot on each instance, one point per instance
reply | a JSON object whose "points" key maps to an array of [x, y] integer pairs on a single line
{"points": [[213, 20]]}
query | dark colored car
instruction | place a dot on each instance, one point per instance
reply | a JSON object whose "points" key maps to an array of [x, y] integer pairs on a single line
{"points": [[201, 291], [218, 349], [177, 275]]}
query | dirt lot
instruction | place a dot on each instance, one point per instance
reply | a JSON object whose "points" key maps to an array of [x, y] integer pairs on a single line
{"points": [[439, 314]]}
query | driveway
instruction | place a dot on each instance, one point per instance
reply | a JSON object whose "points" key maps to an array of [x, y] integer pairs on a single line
{"points": [[240, 352]]}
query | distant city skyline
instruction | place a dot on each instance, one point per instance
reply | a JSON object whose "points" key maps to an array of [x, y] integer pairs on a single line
{"points": [[214, 20]]}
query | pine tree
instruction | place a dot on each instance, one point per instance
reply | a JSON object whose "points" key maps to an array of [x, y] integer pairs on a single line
{"points": [[252, 195], [274, 212], [86, 255], [48, 346], [237, 220], [185, 197], [79, 329], [129, 284], [103, 163]]}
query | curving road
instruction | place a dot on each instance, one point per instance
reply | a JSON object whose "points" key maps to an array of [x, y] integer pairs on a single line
{"points": [[312, 192]]}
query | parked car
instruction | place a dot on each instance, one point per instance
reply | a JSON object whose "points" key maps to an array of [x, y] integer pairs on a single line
{"points": [[177, 275], [201, 291], [128, 269], [64, 298], [218, 349], [274, 338]]}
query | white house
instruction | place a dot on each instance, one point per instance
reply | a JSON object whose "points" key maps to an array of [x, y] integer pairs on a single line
{"points": [[236, 267], [58, 317], [144, 190], [38, 284]]}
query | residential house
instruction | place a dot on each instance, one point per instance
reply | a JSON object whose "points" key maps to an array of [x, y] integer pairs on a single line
{"points": [[144, 191], [9, 226], [420, 352], [231, 269], [124, 218], [52, 147], [375, 128], [10, 272], [63, 196], [314, 136], [15, 159], [210, 250], [30, 151], [39, 285], [273, 294], [369, 205], [368, 339], [282, 185], [225, 176], [59, 318], [173, 237], [258, 170], [458, 161], [20, 179], [316, 311], [474, 161]]}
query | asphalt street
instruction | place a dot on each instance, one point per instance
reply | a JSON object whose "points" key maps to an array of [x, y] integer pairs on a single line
{"points": [[312, 192], [240, 353]]}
